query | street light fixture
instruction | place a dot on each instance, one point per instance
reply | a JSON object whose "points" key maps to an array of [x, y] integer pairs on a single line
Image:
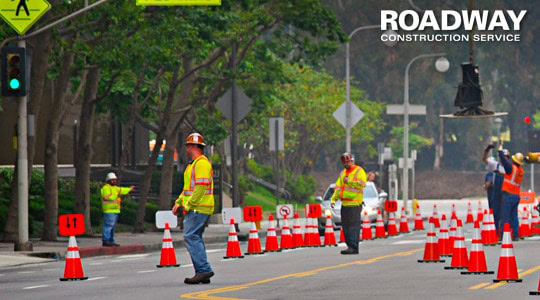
{"points": [[441, 65]]}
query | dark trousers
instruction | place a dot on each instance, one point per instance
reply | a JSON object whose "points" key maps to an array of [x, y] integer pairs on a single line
{"points": [[350, 221], [495, 200]]}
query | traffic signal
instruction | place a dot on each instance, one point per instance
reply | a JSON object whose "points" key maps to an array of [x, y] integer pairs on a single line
{"points": [[14, 72]]}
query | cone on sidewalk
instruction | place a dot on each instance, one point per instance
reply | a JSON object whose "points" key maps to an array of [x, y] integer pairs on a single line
{"points": [[254, 243], [233, 246], [537, 292], [431, 249], [168, 256], [286, 236], [403, 224], [459, 254], [329, 236], [507, 270], [444, 240], [491, 238], [272, 244], [524, 228], [418, 222], [298, 240], [73, 269], [470, 218], [380, 233], [436, 217], [477, 260], [392, 228], [366, 228]]}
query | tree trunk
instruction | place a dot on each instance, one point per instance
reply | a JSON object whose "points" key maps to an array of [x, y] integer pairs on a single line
{"points": [[167, 169], [84, 148], [52, 134]]}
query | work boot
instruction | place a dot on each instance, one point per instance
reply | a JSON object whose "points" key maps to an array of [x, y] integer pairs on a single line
{"points": [[199, 278], [107, 244], [116, 245], [349, 251]]}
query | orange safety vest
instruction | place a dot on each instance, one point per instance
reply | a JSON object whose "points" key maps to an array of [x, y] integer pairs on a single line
{"points": [[512, 182]]}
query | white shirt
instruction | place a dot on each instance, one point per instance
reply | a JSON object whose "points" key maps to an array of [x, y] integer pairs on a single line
{"points": [[493, 165]]}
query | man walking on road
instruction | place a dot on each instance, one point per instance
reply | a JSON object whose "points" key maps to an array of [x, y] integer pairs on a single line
{"points": [[511, 188], [111, 202], [349, 189], [197, 200]]}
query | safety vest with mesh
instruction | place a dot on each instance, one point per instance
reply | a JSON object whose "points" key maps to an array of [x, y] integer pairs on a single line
{"points": [[110, 198], [512, 182], [199, 173], [352, 192]]}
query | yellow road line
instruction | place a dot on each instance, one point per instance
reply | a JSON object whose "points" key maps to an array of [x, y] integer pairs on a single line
{"points": [[479, 286], [520, 275], [207, 294]]}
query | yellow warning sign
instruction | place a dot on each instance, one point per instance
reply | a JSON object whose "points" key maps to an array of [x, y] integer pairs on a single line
{"points": [[22, 14], [177, 2]]}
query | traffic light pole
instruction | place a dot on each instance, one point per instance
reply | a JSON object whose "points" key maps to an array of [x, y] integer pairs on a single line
{"points": [[23, 243]]}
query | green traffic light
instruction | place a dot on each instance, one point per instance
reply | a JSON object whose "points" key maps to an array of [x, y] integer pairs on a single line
{"points": [[14, 83]]}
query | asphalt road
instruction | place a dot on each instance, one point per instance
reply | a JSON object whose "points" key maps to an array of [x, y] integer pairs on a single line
{"points": [[384, 269]]}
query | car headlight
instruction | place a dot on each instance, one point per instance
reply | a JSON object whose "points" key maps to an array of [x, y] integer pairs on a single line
{"points": [[328, 212]]}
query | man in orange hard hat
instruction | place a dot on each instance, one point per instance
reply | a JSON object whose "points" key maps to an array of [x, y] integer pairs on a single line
{"points": [[511, 188], [350, 191], [197, 200]]}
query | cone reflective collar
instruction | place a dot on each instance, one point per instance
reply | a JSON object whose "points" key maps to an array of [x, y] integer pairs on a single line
{"points": [[489, 238], [233, 246], [73, 269], [477, 261], [286, 236], [431, 249], [470, 218], [459, 253], [392, 228], [380, 233], [418, 222], [298, 240], [507, 261], [444, 240], [168, 256], [525, 228], [254, 243], [366, 228], [403, 225], [271, 238], [329, 236]]}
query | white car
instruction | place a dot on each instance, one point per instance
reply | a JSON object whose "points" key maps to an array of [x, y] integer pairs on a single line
{"points": [[372, 202]]}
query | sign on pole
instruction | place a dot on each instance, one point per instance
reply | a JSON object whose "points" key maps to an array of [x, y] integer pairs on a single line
{"points": [[166, 216], [22, 14], [285, 210], [71, 225], [280, 133], [313, 210], [243, 103], [399, 109], [177, 2], [340, 115], [253, 213], [231, 213]]}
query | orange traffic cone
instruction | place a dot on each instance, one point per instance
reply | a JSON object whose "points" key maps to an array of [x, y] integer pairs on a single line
{"points": [[535, 230], [459, 255], [403, 225], [233, 246], [341, 236], [418, 223], [298, 240], [380, 233], [73, 269], [431, 250], [477, 261], [452, 235], [168, 256], [271, 238], [454, 209], [329, 236], [286, 236], [524, 228], [435, 217], [315, 237], [507, 261], [470, 218], [535, 293], [491, 233], [479, 216], [366, 228], [485, 226], [444, 240], [254, 243], [392, 228]]}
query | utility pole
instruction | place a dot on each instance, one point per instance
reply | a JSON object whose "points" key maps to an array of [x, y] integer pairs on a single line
{"points": [[234, 142]]}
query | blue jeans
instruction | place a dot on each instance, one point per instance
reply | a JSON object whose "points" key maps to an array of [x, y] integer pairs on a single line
{"points": [[109, 222], [193, 231], [495, 201], [509, 212]]}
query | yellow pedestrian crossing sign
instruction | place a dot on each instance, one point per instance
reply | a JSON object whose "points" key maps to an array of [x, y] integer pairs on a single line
{"points": [[22, 14]]}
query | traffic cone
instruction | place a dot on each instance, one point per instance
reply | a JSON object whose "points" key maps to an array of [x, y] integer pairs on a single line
{"points": [[491, 233], [485, 226], [477, 261], [233, 246], [366, 228], [392, 228], [298, 240], [452, 235], [444, 240], [272, 244], [168, 256], [524, 228], [315, 237], [436, 217], [286, 236], [403, 225], [73, 269], [535, 230], [380, 233], [254, 243], [329, 236], [431, 249], [535, 293], [479, 216], [459, 255], [507, 261], [341, 236], [418, 223], [454, 209], [470, 218]]}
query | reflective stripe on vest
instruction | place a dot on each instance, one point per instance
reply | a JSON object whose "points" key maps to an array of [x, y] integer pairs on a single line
{"points": [[207, 200], [349, 193], [512, 182]]}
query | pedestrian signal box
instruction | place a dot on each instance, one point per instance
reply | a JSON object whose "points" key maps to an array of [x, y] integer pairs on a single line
{"points": [[71, 225]]}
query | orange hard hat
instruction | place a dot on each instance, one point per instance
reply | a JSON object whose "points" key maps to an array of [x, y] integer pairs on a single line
{"points": [[345, 157], [195, 139]]}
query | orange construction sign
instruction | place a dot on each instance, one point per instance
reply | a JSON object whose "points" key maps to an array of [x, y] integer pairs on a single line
{"points": [[527, 197]]}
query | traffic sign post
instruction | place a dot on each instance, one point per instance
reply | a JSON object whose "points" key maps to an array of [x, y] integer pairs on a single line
{"points": [[22, 14], [340, 114], [285, 210], [277, 139], [71, 225], [166, 216]]}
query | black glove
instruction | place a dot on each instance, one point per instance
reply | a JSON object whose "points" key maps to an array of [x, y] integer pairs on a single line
{"points": [[489, 147]]}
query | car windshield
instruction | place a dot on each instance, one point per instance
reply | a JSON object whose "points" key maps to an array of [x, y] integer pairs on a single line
{"points": [[369, 192], [328, 194]]}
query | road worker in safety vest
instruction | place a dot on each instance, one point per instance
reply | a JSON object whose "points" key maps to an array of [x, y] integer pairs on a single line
{"points": [[111, 203], [197, 200], [350, 191], [511, 188]]}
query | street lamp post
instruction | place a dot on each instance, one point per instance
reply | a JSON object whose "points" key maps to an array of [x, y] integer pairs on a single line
{"points": [[498, 125], [442, 66]]}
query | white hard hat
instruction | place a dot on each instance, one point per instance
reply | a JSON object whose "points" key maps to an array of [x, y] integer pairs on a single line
{"points": [[110, 176]]}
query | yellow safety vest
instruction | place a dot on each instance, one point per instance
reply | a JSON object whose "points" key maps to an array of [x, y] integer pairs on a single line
{"points": [[199, 173], [110, 198], [352, 192]]}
